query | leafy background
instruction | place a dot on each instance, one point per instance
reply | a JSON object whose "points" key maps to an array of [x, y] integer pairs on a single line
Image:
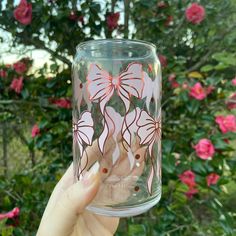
{"points": [[30, 166]]}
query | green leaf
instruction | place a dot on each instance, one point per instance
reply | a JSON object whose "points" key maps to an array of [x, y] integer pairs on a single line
{"points": [[193, 106], [43, 123], [208, 118], [25, 93], [168, 163], [225, 58], [167, 145], [136, 230], [54, 67], [221, 66], [7, 231], [51, 83], [207, 68], [184, 96], [41, 140], [220, 144], [199, 167], [31, 144]]}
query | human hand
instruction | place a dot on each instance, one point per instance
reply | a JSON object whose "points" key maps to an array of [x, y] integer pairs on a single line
{"points": [[65, 214]]}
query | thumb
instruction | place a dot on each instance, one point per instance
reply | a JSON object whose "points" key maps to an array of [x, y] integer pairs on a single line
{"points": [[62, 219]]}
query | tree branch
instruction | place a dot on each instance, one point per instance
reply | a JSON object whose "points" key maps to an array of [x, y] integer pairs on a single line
{"points": [[202, 61], [74, 5], [39, 45], [32, 103], [126, 18], [4, 147], [113, 3], [176, 229], [25, 142]]}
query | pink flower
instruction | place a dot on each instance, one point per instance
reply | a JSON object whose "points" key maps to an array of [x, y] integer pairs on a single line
{"points": [[188, 178], [226, 140], [226, 123], [234, 81], [161, 4], [173, 82], [17, 84], [3, 73], [192, 191], [212, 179], [62, 102], [172, 77], [169, 20], [163, 60], [195, 13], [185, 85], [23, 12], [20, 67], [11, 214], [35, 131], [73, 16], [81, 19], [198, 92], [209, 89], [112, 20], [231, 103], [204, 149]]}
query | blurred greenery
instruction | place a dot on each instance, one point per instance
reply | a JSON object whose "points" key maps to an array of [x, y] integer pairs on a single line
{"points": [[204, 52]]}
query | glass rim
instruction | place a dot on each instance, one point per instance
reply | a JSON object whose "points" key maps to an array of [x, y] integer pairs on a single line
{"points": [[82, 45]]}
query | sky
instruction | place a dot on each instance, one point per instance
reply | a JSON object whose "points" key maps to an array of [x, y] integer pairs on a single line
{"points": [[9, 55]]}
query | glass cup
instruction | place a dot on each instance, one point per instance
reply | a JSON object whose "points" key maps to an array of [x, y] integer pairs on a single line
{"points": [[117, 123]]}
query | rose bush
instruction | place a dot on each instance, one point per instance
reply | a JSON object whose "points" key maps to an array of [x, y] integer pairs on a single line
{"points": [[193, 44]]}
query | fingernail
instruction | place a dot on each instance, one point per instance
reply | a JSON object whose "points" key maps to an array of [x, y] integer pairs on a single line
{"points": [[89, 177]]}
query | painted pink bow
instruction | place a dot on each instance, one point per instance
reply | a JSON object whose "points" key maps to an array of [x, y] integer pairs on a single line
{"points": [[149, 132], [83, 130], [101, 85], [149, 129]]}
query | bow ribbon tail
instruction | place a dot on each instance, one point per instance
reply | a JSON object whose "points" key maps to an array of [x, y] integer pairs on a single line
{"points": [[108, 129]]}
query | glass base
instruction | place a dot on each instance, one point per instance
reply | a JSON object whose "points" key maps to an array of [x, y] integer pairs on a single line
{"points": [[125, 211]]}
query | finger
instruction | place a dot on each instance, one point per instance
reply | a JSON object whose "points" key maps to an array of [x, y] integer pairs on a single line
{"points": [[111, 223], [65, 182], [74, 200], [97, 226], [81, 227], [121, 181], [122, 167], [92, 154]]}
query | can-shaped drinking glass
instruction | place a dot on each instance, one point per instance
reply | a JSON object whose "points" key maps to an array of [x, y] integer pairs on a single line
{"points": [[117, 123]]}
